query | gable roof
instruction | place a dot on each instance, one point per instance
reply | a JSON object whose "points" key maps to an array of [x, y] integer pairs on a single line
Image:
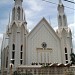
{"points": [[43, 20]]}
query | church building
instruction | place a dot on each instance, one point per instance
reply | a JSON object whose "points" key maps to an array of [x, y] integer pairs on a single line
{"points": [[41, 45]]}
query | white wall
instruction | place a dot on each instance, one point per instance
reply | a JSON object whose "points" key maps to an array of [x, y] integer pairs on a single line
{"points": [[43, 33]]}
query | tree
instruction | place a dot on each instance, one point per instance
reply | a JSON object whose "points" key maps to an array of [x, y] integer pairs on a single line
{"points": [[72, 58]]}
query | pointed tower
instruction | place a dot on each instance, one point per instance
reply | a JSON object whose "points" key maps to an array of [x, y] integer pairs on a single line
{"points": [[62, 20], [64, 34], [17, 36], [17, 11]]}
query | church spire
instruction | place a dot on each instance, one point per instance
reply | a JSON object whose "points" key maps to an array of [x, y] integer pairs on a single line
{"points": [[60, 7], [18, 2], [17, 12], [62, 20]]}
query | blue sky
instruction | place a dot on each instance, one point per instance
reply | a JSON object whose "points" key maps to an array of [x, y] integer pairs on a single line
{"points": [[35, 10]]}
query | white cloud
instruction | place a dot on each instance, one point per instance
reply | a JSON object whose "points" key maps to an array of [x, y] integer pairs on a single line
{"points": [[72, 26], [1, 36], [4, 1], [33, 8], [30, 25], [29, 13], [34, 5]]}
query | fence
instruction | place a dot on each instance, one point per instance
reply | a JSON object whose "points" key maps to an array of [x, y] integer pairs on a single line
{"points": [[38, 70]]}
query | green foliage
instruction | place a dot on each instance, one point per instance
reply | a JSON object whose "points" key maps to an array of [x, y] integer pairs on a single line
{"points": [[72, 58]]}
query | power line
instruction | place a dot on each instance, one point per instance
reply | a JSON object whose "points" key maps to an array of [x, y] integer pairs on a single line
{"points": [[57, 4], [70, 1]]}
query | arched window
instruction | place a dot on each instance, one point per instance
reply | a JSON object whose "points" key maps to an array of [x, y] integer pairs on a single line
{"points": [[64, 18], [13, 61], [22, 14], [65, 50], [13, 47], [71, 50], [66, 55], [21, 61], [21, 47], [18, 13], [21, 55], [13, 55]]}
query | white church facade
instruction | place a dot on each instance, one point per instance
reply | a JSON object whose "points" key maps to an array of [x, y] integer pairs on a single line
{"points": [[41, 45]]}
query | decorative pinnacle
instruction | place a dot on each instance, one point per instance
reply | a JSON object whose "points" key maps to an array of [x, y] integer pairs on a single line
{"points": [[60, 1], [22, 0]]}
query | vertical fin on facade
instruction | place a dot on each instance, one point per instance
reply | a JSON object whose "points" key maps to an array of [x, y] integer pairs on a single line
{"points": [[9, 18], [8, 24]]}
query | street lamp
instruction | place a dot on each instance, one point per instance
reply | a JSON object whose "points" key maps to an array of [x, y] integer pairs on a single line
{"points": [[11, 66]]}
